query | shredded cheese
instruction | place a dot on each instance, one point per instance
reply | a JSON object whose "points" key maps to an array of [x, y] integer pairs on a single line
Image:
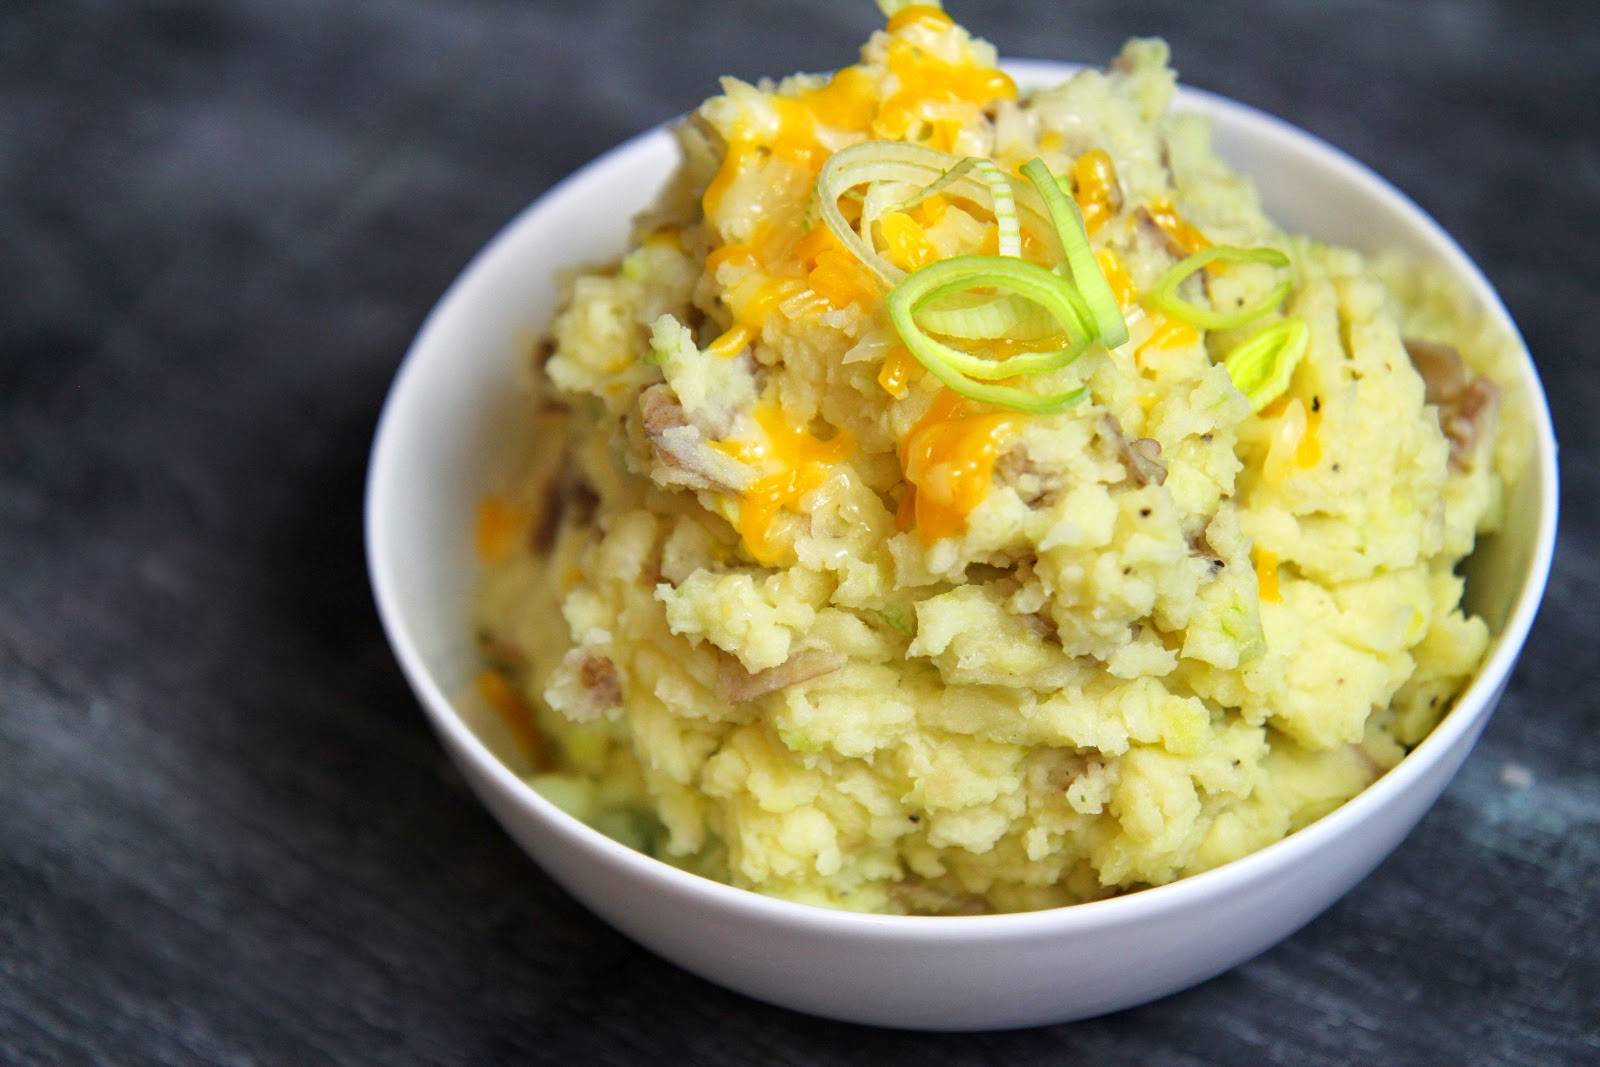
{"points": [[1117, 277], [1170, 334], [796, 463], [849, 101], [906, 243], [897, 369], [1309, 452], [927, 88], [514, 713], [1094, 183], [1165, 215], [752, 304], [948, 459], [919, 14], [496, 528], [1267, 562], [1287, 449]]}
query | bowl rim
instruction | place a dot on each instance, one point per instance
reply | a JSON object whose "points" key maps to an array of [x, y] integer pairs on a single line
{"points": [[1471, 709]]}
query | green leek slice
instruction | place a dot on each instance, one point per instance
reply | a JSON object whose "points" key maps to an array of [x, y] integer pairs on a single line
{"points": [[1262, 365], [1163, 296]]}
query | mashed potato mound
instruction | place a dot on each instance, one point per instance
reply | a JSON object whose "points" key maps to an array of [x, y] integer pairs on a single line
{"points": [[769, 600]]}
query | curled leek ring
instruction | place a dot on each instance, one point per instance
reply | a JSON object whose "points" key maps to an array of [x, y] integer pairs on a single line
{"points": [[971, 375], [1164, 298]]}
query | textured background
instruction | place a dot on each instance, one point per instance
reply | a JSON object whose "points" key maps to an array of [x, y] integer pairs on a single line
{"points": [[226, 835]]}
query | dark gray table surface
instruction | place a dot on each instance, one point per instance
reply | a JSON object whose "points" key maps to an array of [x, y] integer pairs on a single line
{"points": [[226, 833]]}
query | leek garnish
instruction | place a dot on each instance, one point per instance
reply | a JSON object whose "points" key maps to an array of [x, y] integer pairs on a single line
{"points": [[894, 170], [1164, 298], [976, 298], [1262, 366], [1086, 272], [970, 375], [988, 318]]}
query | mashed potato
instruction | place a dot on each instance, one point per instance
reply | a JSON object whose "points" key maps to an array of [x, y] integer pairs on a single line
{"points": [[781, 601]]}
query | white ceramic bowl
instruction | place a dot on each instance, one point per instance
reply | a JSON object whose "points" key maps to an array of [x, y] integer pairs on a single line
{"points": [[450, 419]]}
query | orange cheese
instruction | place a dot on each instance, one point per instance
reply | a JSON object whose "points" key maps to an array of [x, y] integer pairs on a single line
{"points": [[1165, 215], [1309, 452], [796, 463], [1296, 441], [794, 141], [765, 498], [740, 255], [931, 210], [948, 459], [848, 101], [1267, 575], [731, 341], [514, 714], [905, 243], [897, 369], [835, 275], [1172, 333], [1094, 184], [750, 313], [666, 237], [1117, 277], [496, 528], [919, 108], [913, 14]]}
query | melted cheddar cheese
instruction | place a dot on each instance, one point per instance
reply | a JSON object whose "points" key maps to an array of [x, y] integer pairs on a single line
{"points": [[496, 529], [948, 459], [1094, 185], [896, 371], [795, 461], [1184, 236], [1266, 563], [1169, 334]]}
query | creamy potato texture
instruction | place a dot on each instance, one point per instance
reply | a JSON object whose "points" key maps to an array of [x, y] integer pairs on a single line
{"points": [[769, 599]]}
